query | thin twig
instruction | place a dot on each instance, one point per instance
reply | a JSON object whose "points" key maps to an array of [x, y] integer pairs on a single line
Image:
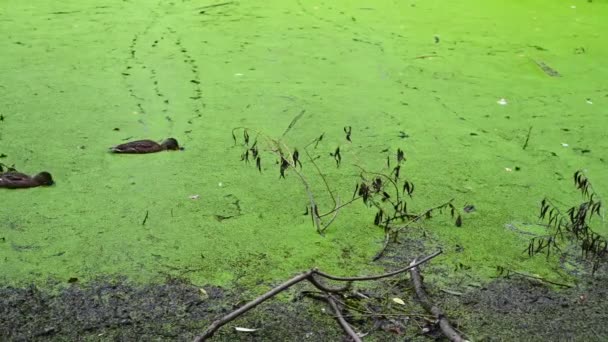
{"points": [[416, 218], [527, 138], [145, 219], [387, 239], [386, 275], [216, 5], [540, 279], [340, 206], [313, 205], [311, 159], [390, 179], [326, 289], [336, 210], [454, 293], [293, 122], [364, 313], [444, 324]]}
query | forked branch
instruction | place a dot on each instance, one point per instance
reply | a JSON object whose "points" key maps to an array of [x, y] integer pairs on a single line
{"points": [[309, 276]]}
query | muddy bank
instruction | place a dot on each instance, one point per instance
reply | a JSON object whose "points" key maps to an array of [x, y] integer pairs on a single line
{"points": [[519, 309], [513, 309], [117, 310]]}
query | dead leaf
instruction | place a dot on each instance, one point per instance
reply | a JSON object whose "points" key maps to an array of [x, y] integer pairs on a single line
{"points": [[398, 301], [244, 329]]}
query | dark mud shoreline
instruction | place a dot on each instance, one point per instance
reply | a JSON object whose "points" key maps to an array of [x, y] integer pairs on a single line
{"points": [[515, 309]]}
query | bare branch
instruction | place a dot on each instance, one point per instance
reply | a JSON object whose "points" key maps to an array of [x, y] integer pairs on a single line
{"points": [[234, 314], [385, 275], [444, 324], [324, 288], [380, 253]]}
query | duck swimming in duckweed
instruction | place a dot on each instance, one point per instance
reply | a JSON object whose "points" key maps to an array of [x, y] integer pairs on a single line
{"points": [[146, 146], [18, 180]]}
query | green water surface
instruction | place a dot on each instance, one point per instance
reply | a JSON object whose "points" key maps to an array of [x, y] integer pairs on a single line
{"points": [[77, 77]]}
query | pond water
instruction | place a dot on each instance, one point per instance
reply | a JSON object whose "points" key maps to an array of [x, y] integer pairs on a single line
{"points": [[460, 89]]}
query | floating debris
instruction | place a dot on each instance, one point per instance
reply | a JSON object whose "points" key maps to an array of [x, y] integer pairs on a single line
{"points": [[469, 208], [502, 102], [547, 69]]}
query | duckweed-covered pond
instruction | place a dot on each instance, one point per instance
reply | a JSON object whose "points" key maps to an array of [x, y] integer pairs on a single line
{"points": [[495, 105]]}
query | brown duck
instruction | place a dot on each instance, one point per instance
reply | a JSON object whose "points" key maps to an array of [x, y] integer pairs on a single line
{"points": [[17, 180], [146, 146]]}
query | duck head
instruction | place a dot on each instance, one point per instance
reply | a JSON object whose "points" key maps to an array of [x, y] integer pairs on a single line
{"points": [[170, 144], [44, 178]]}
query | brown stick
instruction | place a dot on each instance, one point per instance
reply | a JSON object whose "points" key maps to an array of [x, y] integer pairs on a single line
{"points": [[426, 303], [234, 314], [414, 264], [347, 328], [326, 289]]}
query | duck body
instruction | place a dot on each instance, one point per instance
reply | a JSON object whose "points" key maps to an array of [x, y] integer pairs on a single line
{"points": [[145, 146], [18, 180]]}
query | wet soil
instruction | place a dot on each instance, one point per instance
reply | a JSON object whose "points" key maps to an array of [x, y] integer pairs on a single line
{"points": [[514, 309], [118, 311], [520, 309]]}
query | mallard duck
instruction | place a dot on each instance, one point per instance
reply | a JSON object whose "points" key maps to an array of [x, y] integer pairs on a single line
{"points": [[18, 180], [145, 146]]}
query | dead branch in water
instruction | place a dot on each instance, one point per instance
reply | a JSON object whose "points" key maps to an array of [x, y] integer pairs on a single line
{"points": [[423, 298], [309, 275]]}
